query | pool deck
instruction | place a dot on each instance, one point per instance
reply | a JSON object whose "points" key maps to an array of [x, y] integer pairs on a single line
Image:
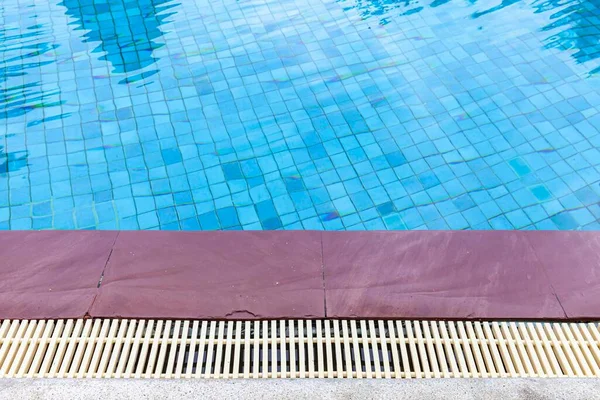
{"points": [[533, 275], [296, 389]]}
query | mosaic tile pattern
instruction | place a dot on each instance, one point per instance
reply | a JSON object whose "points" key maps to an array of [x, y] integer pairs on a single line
{"points": [[313, 114]]}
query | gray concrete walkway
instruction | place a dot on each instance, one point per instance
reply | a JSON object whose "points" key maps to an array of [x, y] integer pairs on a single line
{"points": [[430, 389]]}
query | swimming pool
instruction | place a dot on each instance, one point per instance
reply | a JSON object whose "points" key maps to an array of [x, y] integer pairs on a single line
{"points": [[312, 114]]}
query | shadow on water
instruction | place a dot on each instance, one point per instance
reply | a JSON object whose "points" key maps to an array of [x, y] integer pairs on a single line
{"points": [[10, 162], [382, 9], [503, 4], [126, 30], [578, 22], [20, 53]]}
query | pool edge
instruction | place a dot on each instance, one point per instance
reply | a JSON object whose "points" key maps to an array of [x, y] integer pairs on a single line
{"points": [[450, 275]]}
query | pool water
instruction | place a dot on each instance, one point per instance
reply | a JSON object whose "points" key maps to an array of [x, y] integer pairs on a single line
{"points": [[307, 114]]}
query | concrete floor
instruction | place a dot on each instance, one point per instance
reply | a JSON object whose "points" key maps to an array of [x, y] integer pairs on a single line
{"points": [[283, 389]]}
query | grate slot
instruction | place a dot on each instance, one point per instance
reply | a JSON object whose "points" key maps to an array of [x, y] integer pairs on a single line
{"points": [[113, 348]]}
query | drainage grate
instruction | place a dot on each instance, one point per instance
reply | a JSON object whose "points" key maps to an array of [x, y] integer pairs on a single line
{"points": [[112, 348]]}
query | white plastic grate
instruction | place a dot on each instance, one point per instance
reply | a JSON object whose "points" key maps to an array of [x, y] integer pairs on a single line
{"points": [[112, 348]]}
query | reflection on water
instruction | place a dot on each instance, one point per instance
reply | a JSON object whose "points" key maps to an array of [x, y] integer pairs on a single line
{"points": [[383, 9], [577, 22], [498, 7], [11, 162], [126, 29], [21, 51]]}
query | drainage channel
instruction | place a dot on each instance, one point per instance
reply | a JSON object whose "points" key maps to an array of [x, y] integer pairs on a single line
{"points": [[122, 348]]}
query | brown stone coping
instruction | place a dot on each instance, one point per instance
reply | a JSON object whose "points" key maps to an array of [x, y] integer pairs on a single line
{"points": [[206, 275], [300, 274], [51, 274]]}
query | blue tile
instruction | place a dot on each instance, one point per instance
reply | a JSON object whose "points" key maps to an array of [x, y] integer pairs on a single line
{"points": [[394, 222], [361, 200], [501, 223], [209, 221], [171, 156], [429, 213], [582, 216], [474, 216], [148, 220], [344, 206], [228, 217], [266, 210], [464, 202], [395, 158], [428, 180], [247, 215], [518, 219], [385, 208], [541, 192], [167, 215], [457, 221], [42, 223], [42, 209], [587, 196], [232, 171], [564, 221], [4, 214], [294, 184], [271, 223], [524, 198]]}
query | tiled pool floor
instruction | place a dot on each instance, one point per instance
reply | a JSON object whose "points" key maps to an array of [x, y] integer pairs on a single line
{"points": [[312, 114]]}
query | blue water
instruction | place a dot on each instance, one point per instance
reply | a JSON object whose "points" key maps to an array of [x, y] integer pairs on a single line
{"points": [[311, 114]]}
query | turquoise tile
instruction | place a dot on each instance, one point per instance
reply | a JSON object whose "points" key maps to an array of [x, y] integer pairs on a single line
{"points": [[324, 114]]}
